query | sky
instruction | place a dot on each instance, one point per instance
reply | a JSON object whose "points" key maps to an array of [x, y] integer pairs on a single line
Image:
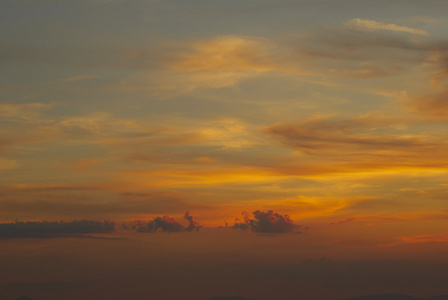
{"points": [[328, 118]]}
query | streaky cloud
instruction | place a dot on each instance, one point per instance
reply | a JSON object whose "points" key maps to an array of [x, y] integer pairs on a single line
{"points": [[375, 25]]}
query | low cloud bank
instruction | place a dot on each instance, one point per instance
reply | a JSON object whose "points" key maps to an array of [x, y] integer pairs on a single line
{"points": [[54, 229], [168, 224], [266, 222]]}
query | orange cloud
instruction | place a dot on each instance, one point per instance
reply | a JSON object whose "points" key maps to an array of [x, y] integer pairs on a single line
{"points": [[418, 239], [435, 105], [367, 145], [228, 54]]}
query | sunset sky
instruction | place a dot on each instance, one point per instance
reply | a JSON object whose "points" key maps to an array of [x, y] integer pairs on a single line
{"points": [[332, 112]]}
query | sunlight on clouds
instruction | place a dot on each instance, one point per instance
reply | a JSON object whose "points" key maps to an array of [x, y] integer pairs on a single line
{"points": [[101, 123], [194, 175], [331, 113], [229, 133], [438, 238], [228, 53], [167, 84], [375, 25]]}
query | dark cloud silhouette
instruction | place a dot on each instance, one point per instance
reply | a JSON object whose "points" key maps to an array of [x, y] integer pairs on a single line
{"points": [[245, 223], [192, 224], [266, 222], [54, 229], [168, 224]]}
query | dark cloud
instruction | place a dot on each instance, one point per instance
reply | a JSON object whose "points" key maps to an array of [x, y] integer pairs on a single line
{"points": [[168, 224], [54, 229], [266, 222], [319, 134], [363, 143]]}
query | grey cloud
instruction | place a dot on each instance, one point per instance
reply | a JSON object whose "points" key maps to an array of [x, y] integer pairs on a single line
{"points": [[54, 229], [168, 224], [266, 222]]}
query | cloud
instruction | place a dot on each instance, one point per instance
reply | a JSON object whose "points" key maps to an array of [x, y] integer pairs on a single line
{"points": [[348, 220], [266, 222], [192, 224], [80, 77], [416, 239], [22, 110], [427, 19], [54, 229], [435, 104], [168, 224], [322, 133], [371, 25], [229, 53], [366, 145]]}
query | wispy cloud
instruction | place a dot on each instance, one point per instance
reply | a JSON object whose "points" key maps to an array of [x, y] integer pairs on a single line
{"points": [[228, 53], [23, 110], [416, 239], [375, 25], [80, 77]]}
